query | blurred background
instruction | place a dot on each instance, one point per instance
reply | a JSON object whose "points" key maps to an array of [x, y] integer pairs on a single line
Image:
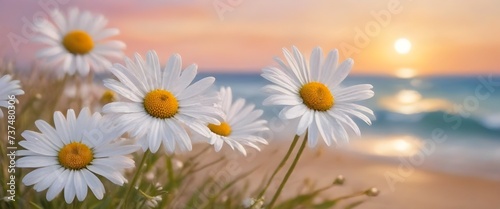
{"points": [[434, 65], [446, 37]]}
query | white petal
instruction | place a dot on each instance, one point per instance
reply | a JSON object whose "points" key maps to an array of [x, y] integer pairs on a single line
{"points": [[94, 183], [120, 89], [199, 128], [129, 79], [197, 88], [349, 122], [108, 173], [109, 49], [182, 137], [59, 19], [275, 89], [117, 162], [352, 112], [281, 80], [46, 28], [315, 63], [294, 66], [57, 185], [44, 40], [49, 179], [341, 73], [49, 51], [84, 67], [172, 71], [39, 174], [305, 122], [99, 22], [282, 100], [294, 111], [236, 108], [218, 143], [80, 186], [72, 17], [39, 147], [332, 133], [68, 60], [358, 96], [115, 150], [71, 121], [36, 161], [329, 66], [106, 33], [286, 71], [248, 118], [226, 95], [240, 148], [302, 63], [123, 107], [153, 64], [50, 132], [154, 136], [324, 129], [168, 137], [69, 188], [185, 79], [352, 89], [312, 134], [85, 20], [360, 108], [62, 127]]}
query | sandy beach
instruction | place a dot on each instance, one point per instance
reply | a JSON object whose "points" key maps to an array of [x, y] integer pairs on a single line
{"points": [[411, 190]]}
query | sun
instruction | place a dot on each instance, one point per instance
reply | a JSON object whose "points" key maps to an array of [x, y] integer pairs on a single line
{"points": [[402, 46]]}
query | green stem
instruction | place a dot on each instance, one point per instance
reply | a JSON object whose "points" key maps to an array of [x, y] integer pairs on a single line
{"points": [[60, 91], [356, 194], [75, 204], [170, 170], [172, 184], [136, 177], [289, 172], [282, 163], [194, 170]]}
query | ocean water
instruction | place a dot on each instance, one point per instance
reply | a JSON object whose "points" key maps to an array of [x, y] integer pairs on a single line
{"points": [[447, 124]]}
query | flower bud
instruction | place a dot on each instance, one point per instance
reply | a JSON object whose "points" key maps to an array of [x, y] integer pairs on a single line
{"points": [[372, 192], [339, 180]]}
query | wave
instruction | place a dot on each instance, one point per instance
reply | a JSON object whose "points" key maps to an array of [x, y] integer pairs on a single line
{"points": [[492, 121], [425, 123]]}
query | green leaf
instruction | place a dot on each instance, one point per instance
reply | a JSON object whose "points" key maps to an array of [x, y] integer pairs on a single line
{"points": [[326, 204], [35, 205]]}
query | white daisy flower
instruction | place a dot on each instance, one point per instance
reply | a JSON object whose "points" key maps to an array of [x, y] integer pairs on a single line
{"points": [[239, 126], [252, 203], [70, 155], [161, 102], [76, 42], [311, 92], [153, 201], [8, 87]]}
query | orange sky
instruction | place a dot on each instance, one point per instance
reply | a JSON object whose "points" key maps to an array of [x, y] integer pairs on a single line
{"points": [[448, 37]]}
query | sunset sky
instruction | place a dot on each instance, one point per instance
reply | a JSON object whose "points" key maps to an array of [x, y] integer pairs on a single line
{"points": [[447, 37]]}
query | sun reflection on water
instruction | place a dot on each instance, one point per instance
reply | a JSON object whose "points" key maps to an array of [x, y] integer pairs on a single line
{"points": [[406, 73], [411, 102], [392, 147]]}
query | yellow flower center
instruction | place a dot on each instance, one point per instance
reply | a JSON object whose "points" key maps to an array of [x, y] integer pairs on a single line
{"points": [[78, 42], [317, 96], [107, 97], [161, 104], [224, 129], [75, 156]]}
